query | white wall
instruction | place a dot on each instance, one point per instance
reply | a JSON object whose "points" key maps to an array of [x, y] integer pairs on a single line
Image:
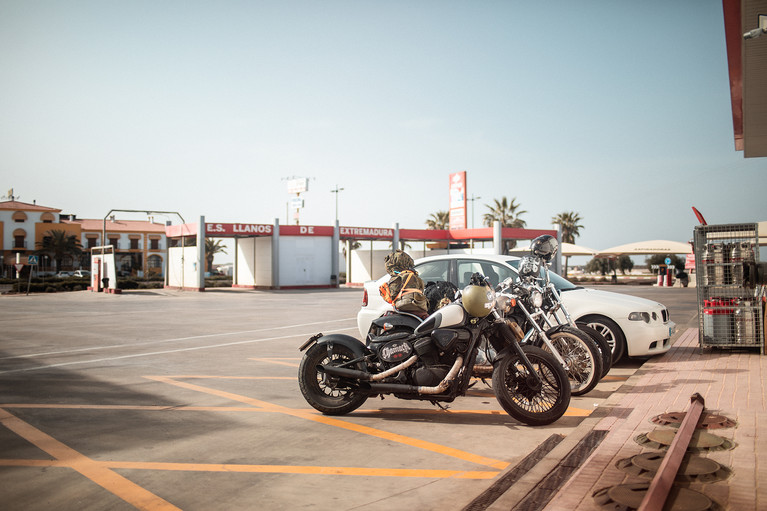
{"points": [[305, 260], [254, 262], [183, 273]]}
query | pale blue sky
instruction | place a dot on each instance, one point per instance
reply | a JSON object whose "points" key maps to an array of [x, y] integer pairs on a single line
{"points": [[618, 110]]}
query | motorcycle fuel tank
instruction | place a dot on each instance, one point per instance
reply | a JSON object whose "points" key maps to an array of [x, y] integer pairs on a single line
{"points": [[449, 315]]}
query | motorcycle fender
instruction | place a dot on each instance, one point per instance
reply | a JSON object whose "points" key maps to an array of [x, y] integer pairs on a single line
{"points": [[555, 329], [344, 340], [508, 350]]}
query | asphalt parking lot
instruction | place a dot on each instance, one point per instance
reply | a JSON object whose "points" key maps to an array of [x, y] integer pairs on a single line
{"points": [[182, 400]]}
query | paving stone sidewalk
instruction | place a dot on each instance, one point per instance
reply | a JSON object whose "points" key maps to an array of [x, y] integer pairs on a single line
{"points": [[732, 383]]}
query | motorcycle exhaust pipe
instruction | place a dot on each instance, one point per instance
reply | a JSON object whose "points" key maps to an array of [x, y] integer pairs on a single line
{"points": [[363, 375], [395, 388]]}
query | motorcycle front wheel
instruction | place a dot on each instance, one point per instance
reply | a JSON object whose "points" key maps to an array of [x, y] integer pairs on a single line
{"points": [[522, 396], [580, 353], [324, 392]]}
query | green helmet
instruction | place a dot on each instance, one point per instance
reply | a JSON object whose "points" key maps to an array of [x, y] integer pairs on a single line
{"points": [[477, 300]]}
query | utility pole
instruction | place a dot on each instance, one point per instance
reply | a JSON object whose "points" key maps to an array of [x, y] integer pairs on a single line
{"points": [[336, 192], [473, 198]]}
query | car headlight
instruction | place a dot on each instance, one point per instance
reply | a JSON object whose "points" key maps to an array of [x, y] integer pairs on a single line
{"points": [[640, 316], [536, 297]]}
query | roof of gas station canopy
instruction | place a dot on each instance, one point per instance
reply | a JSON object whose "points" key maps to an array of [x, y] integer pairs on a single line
{"points": [[648, 248]]}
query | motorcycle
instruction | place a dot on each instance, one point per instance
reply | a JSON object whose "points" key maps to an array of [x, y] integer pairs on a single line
{"points": [[534, 269], [534, 304], [434, 362]]}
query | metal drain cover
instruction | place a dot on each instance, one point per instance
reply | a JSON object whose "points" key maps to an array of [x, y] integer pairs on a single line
{"points": [[701, 440], [629, 496], [692, 468], [707, 421]]}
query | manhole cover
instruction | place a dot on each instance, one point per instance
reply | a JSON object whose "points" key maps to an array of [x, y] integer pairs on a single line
{"points": [[692, 468], [701, 441], [626, 497], [707, 421]]}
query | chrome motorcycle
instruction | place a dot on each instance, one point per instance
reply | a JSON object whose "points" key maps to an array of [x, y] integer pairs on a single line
{"points": [[434, 363]]}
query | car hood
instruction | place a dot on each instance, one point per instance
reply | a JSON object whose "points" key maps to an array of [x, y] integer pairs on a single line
{"points": [[593, 298]]}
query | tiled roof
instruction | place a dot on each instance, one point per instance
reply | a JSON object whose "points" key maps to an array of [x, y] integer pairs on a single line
{"points": [[14, 205], [87, 224]]}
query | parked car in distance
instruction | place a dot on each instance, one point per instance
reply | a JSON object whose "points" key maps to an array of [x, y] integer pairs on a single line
{"points": [[64, 274], [633, 326], [81, 273]]}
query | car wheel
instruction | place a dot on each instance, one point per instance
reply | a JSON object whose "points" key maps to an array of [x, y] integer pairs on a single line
{"points": [[610, 331]]}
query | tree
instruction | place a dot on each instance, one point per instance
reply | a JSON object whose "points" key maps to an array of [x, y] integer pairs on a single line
{"points": [[57, 244], [660, 259], [211, 249], [507, 213], [438, 220], [568, 222]]}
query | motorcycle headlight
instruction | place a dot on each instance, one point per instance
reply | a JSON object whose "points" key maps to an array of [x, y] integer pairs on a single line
{"points": [[536, 298]]}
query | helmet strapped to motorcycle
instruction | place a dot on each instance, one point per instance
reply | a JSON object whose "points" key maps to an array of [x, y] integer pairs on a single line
{"points": [[545, 247], [477, 300]]}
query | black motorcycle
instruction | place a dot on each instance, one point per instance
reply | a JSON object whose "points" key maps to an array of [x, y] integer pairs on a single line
{"points": [[434, 363]]}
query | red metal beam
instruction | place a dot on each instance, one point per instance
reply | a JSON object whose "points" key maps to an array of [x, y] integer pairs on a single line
{"points": [[657, 493]]}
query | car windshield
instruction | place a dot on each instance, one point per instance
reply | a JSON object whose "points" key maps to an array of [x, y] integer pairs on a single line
{"points": [[559, 282]]}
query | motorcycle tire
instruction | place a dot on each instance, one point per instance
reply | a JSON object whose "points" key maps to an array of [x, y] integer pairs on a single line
{"points": [[581, 354], [323, 391], [525, 402], [604, 347]]}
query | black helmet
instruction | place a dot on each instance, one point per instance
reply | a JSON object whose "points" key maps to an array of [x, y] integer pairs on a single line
{"points": [[545, 247]]}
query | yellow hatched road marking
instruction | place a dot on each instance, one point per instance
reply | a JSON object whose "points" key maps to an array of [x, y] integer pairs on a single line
{"points": [[366, 430], [266, 469], [111, 481], [278, 361]]}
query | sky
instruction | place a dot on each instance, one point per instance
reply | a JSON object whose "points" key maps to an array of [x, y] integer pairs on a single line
{"points": [[616, 110]]}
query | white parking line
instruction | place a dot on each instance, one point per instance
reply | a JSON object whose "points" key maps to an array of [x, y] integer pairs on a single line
{"points": [[113, 346], [209, 346]]}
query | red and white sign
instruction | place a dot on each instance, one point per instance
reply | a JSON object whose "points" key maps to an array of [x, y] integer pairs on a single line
{"points": [[366, 233], [458, 200], [19, 267], [306, 230], [223, 230]]}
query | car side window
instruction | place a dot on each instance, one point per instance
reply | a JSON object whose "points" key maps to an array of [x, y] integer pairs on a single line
{"points": [[494, 271], [465, 268], [433, 270]]}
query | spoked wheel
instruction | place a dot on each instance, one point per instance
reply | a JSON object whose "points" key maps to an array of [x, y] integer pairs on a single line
{"points": [[522, 396], [583, 360], [324, 392], [602, 344]]}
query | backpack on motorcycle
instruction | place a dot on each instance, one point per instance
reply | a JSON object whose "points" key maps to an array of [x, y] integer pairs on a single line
{"points": [[404, 289]]}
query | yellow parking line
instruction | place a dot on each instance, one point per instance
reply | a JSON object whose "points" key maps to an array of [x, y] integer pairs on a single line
{"points": [[148, 408], [266, 469], [118, 485], [277, 361], [366, 430]]}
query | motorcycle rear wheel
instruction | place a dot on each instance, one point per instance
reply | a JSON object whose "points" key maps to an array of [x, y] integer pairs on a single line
{"points": [[324, 392], [527, 403]]}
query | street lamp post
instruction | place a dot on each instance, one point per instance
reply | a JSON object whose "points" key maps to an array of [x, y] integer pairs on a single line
{"points": [[336, 191], [473, 198]]}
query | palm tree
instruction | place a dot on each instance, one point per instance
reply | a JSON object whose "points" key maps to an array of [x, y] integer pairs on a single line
{"points": [[507, 213], [568, 224], [439, 220], [57, 244], [211, 249]]}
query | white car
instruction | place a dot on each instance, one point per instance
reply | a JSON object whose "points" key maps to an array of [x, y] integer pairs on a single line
{"points": [[633, 326]]}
